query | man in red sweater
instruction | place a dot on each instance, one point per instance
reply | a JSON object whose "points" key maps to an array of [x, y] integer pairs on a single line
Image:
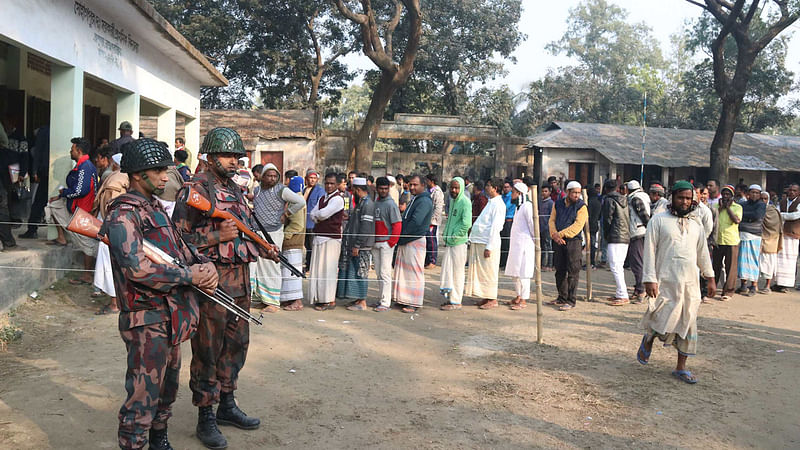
{"points": [[388, 224]]}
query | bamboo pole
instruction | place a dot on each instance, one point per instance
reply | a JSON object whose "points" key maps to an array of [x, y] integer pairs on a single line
{"points": [[538, 257], [588, 235]]}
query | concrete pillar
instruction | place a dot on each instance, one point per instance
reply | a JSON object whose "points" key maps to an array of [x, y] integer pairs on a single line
{"points": [[191, 128], [128, 108], [166, 127], [665, 176], [66, 122], [764, 180]]}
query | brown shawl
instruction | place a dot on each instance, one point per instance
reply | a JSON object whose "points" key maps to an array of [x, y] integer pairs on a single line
{"points": [[771, 231]]}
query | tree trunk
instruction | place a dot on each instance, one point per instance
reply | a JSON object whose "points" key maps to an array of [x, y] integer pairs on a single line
{"points": [[723, 137], [368, 134]]}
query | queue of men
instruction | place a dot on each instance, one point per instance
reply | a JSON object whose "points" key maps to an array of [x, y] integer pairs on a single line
{"points": [[679, 247]]}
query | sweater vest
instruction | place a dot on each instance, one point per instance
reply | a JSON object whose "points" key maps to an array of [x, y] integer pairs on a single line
{"points": [[332, 226]]}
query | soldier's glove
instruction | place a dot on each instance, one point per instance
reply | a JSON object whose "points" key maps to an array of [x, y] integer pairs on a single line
{"points": [[205, 277]]}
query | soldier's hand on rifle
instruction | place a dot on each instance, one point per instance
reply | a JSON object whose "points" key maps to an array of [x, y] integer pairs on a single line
{"points": [[274, 254], [205, 276], [228, 231]]}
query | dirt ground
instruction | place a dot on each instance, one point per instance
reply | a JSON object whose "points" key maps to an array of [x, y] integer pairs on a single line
{"points": [[462, 379]]}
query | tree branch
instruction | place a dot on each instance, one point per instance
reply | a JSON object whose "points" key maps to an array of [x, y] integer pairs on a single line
{"points": [[357, 18], [391, 25]]}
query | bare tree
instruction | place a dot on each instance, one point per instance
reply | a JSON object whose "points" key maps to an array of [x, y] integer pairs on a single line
{"points": [[381, 52], [730, 80]]}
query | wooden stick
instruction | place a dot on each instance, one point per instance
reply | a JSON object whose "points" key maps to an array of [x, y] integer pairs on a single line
{"points": [[538, 254], [588, 251]]}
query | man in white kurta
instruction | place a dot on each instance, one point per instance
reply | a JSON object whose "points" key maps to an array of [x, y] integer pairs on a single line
{"points": [[521, 253], [675, 247], [484, 252], [787, 256]]}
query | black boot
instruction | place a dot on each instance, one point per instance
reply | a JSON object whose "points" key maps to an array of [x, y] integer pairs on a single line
{"points": [[159, 440], [230, 414], [207, 430]]}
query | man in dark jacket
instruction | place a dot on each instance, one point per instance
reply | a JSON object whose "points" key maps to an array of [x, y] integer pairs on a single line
{"points": [[409, 275], [616, 231], [753, 211], [357, 242], [40, 176]]}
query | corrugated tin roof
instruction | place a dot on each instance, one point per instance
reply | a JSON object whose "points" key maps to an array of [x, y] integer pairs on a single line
{"points": [[669, 147]]}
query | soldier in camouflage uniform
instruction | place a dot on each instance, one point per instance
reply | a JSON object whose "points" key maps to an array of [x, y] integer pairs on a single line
{"points": [[219, 348], [158, 309]]}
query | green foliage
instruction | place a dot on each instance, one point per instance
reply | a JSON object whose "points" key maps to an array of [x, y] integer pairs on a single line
{"points": [[265, 48], [8, 334]]}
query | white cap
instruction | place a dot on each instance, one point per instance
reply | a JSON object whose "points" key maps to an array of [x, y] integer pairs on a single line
{"points": [[392, 180], [521, 187], [358, 181], [117, 158], [633, 185], [203, 157], [270, 166], [245, 160], [754, 187], [573, 185]]}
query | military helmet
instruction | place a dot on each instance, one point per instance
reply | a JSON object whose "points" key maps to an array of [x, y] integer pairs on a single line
{"points": [[223, 140], [144, 154]]}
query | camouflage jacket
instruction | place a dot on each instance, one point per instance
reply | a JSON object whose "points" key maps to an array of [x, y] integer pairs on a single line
{"points": [[230, 257], [148, 292]]}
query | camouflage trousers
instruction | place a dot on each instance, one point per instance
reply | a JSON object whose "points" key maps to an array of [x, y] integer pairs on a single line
{"points": [[151, 381], [219, 349]]}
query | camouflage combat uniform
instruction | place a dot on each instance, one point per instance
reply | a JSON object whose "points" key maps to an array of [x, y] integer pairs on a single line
{"points": [[219, 348], [158, 311]]}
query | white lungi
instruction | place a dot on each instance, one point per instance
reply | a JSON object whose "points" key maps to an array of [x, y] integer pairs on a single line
{"points": [[767, 264], [483, 273], [787, 262], [453, 273], [324, 269], [265, 275], [292, 286]]}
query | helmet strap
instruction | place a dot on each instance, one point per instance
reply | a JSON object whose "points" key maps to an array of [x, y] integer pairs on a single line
{"points": [[221, 170], [156, 191]]}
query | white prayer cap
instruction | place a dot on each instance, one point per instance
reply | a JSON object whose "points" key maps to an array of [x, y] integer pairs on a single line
{"points": [[358, 181], [270, 166], [203, 157], [521, 187], [392, 180], [245, 160], [117, 158], [754, 187], [633, 185], [573, 185]]}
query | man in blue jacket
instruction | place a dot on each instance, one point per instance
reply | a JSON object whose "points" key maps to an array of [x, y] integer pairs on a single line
{"points": [[409, 275]]}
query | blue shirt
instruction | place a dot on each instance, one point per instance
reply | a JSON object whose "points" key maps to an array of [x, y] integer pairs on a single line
{"points": [[317, 192], [511, 208]]}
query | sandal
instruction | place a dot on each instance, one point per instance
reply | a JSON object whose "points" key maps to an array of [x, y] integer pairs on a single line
{"points": [[450, 307], [106, 309], [556, 302], [409, 309], [490, 304], [565, 307], [646, 359], [725, 298], [293, 306], [325, 306], [685, 376], [356, 307], [381, 308], [97, 294], [518, 306], [271, 309], [619, 302]]}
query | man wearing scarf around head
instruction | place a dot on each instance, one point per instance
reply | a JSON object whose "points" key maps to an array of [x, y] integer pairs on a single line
{"points": [[675, 247]]}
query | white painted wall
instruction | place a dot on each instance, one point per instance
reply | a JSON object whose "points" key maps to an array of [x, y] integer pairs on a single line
{"points": [[54, 29]]}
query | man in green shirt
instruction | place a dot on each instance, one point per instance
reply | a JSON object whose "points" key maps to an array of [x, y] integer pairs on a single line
{"points": [[729, 214]]}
